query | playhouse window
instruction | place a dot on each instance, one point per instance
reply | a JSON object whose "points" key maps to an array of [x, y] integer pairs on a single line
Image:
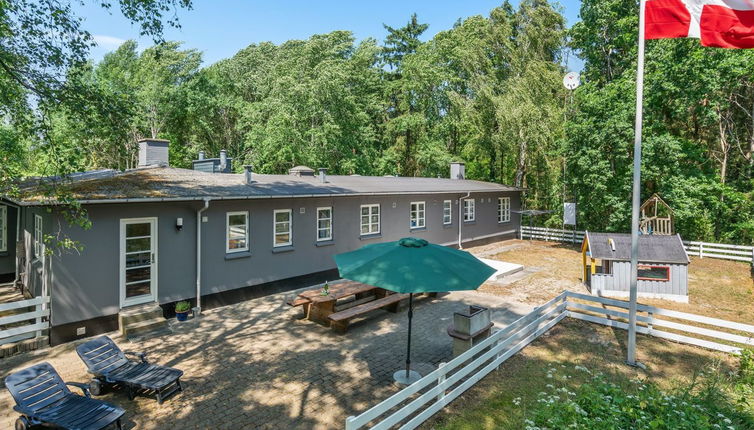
{"points": [[654, 273]]}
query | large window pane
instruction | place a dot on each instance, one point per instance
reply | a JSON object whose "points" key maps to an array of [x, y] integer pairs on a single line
{"points": [[134, 245]]}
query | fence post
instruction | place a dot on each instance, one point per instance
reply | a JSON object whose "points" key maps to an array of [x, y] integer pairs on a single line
{"points": [[349, 423], [440, 381], [649, 324], [752, 261], [701, 249], [38, 308]]}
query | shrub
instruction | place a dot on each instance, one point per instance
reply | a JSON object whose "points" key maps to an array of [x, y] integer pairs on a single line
{"points": [[601, 404], [182, 306]]}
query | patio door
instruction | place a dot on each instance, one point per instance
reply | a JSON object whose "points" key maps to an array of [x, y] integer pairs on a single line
{"points": [[138, 261]]}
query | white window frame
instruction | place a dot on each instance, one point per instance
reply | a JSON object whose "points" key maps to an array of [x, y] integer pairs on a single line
{"points": [[503, 209], [369, 224], [3, 228], [421, 215], [38, 235], [469, 210], [328, 218], [228, 249], [447, 212], [275, 225]]}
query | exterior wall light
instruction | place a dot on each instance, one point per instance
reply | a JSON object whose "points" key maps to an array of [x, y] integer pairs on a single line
{"points": [[179, 224]]}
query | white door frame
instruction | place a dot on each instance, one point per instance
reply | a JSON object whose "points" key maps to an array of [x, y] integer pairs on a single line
{"points": [[124, 302]]}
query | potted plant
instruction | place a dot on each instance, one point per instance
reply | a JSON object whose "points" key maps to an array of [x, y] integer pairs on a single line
{"points": [[182, 310]]}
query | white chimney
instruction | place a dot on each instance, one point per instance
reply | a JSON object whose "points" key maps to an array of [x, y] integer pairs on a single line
{"points": [[201, 155], [223, 159], [247, 178], [153, 152], [457, 170], [322, 175]]}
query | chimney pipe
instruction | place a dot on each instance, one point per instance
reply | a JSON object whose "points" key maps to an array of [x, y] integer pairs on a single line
{"points": [[223, 159], [457, 170], [247, 178], [322, 175], [201, 155]]}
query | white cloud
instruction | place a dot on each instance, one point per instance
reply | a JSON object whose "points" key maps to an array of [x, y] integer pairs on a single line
{"points": [[108, 42]]}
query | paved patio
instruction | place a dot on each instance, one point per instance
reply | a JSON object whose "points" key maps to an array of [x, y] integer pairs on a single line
{"points": [[258, 365]]}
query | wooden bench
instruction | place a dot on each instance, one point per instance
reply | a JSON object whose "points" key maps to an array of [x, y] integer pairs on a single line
{"points": [[339, 320], [298, 301]]}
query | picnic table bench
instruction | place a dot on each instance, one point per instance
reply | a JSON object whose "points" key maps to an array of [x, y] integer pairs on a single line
{"points": [[345, 301]]}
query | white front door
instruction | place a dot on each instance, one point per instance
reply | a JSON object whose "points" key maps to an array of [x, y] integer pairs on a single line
{"points": [[138, 261]]}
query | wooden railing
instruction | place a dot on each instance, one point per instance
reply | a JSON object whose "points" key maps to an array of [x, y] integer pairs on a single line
{"points": [[416, 403], [553, 234], [697, 249], [25, 325]]}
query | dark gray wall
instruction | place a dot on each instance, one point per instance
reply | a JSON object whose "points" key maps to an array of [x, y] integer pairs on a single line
{"points": [[86, 286], [8, 258]]}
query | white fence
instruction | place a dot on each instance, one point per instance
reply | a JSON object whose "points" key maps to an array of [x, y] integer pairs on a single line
{"points": [[416, 403], [24, 325], [697, 249]]}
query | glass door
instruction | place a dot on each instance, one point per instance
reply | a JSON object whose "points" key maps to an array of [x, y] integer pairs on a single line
{"points": [[138, 261]]}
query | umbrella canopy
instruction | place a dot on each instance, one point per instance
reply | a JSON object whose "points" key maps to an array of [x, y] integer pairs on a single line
{"points": [[413, 265]]}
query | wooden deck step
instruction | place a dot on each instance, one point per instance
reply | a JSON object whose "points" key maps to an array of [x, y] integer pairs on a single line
{"points": [[143, 328]]}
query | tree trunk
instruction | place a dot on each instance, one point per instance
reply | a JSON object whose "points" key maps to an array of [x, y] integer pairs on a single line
{"points": [[521, 165]]}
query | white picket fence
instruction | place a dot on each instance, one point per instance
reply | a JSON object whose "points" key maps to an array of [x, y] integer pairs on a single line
{"points": [[697, 249], [34, 322], [416, 403]]}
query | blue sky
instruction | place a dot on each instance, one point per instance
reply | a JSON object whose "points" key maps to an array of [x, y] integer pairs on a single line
{"points": [[219, 28]]}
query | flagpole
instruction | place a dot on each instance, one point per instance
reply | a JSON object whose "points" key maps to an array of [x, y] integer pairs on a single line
{"points": [[636, 196]]}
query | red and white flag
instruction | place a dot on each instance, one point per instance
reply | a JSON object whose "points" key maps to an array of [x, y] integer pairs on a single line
{"points": [[718, 23]]}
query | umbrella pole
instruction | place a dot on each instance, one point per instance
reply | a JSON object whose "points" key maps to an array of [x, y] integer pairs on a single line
{"points": [[408, 349]]}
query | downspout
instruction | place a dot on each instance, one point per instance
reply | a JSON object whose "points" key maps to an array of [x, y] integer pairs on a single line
{"points": [[460, 218], [198, 308]]}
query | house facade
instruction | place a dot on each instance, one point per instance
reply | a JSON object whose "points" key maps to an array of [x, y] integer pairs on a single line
{"points": [[161, 234]]}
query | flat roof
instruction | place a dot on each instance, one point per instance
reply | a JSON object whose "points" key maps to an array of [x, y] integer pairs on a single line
{"points": [[162, 183]]}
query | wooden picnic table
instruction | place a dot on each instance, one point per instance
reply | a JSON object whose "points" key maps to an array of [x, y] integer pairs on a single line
{"points": [[319, 307]]}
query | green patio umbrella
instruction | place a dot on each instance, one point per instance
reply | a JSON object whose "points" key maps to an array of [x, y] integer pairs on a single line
{"points": [[412, 265]]}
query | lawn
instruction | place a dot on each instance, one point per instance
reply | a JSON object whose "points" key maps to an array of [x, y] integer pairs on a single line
{"points": [[504, 399], [717, 288], [507, 397]]}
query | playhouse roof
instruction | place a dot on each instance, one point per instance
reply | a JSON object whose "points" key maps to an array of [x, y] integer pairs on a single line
{"points": [[652, 248]]}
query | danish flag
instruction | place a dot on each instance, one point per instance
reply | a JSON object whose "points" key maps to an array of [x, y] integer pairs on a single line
{"points": [[718, 23]]}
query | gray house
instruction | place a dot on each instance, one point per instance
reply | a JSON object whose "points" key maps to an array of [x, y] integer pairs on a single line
{"points": [[663, 265], [161, 234]]}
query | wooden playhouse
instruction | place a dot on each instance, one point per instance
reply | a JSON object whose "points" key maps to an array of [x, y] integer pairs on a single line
{"points": [[663, 265]]}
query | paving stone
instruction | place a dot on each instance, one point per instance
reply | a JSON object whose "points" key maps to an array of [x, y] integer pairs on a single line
{"points": [[257, 365]]}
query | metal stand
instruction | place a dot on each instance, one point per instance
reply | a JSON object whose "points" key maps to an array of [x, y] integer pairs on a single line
{"points": [[408, 376]]}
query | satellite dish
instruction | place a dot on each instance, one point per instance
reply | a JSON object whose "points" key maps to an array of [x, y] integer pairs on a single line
{"points": [[571, 80]]}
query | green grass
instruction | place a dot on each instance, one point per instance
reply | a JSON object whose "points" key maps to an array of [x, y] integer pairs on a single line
{"points": [[510, 395]]}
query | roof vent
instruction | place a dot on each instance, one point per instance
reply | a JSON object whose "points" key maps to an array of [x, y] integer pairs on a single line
{"points": [[611, 242], [301, 171], [247, 174], [322, 175], [153, 152]]}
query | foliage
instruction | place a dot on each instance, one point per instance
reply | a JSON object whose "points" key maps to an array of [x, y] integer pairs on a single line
{"points": [[181, 307], [486, 91], [601, 404]]}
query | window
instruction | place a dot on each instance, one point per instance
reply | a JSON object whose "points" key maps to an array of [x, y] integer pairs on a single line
{"points": [[370, 219], [237, 238], [447, 211], [324, 224], [654, 273], [469, 210], [503, 209], [282, 230], [417, 215], [38, 237], [3, 228]]}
